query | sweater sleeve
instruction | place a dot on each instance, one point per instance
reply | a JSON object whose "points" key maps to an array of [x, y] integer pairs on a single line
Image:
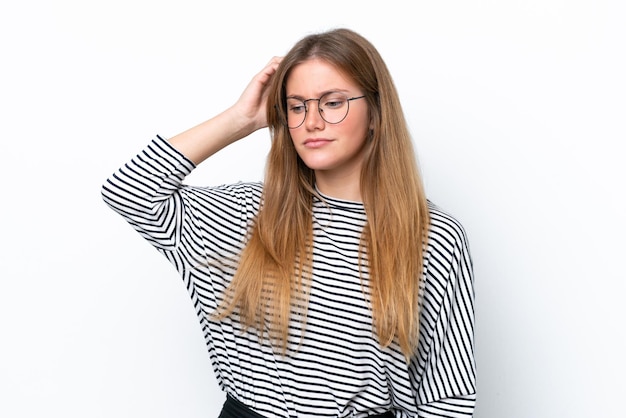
{"points": [[447, 383], [191, 226], [145, 191]]}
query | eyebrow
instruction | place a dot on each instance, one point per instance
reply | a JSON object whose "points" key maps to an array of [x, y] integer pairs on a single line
{"points": [[295, 96]]}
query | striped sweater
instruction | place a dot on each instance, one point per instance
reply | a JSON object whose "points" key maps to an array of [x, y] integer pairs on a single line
{"points": [[337, 368]]}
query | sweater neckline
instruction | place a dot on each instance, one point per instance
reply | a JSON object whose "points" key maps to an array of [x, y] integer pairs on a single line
{"points": [[334, 202]]}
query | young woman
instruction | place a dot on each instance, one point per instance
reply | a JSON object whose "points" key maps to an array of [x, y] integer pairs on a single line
{"points": [[334, 288]]}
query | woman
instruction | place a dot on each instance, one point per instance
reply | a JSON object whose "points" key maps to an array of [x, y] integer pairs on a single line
{"points": [[333, 288]]}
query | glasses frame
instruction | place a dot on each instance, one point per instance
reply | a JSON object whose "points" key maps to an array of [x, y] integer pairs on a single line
{"points": [[319, 110]]}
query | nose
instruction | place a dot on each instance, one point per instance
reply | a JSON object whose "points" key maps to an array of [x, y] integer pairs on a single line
{"points": [[313, 118]]}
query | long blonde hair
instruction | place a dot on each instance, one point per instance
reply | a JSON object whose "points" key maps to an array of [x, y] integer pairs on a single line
{"points": [[275, 267]]}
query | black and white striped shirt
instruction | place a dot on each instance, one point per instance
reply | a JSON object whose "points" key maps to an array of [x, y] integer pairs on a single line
{"points": [[338, 369]]}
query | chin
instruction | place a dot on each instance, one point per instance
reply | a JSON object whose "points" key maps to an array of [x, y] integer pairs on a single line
{"points": [[318, 166]]}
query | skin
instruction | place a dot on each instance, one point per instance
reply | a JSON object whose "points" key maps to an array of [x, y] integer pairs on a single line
{"points": [[333, 151]]}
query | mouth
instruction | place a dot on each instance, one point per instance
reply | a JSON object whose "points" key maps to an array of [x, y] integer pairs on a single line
{"points": [[316, 142]]}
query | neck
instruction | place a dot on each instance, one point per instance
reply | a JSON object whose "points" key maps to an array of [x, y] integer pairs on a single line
{"points": [[346, 187]]}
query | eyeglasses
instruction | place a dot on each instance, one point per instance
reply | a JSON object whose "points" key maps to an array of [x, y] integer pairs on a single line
{"points": [[333, 107]]}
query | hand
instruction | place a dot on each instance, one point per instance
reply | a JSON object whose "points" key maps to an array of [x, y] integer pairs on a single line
{"points": [[252, 103]]}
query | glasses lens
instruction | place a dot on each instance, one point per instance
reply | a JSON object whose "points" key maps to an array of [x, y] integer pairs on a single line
{"points": [[296, 112], [333, 107]]}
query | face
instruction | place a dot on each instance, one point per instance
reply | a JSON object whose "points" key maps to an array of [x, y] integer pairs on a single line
{"points": [[329, 149]]}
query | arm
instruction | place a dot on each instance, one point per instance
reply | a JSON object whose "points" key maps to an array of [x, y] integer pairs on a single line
{"points": [[244, 117], [148, 191], [447, 382]]}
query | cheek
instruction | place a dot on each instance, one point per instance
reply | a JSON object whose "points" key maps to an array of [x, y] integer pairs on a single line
{"points": [[358, 129]]}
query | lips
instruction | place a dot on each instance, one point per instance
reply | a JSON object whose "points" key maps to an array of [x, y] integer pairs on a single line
{"points": [[316, 142]]}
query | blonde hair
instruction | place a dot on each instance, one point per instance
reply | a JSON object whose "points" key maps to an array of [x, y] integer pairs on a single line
{"points": [[275, 267]]}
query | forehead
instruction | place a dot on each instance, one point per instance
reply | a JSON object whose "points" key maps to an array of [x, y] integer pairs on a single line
{"points": [[317, 76]]}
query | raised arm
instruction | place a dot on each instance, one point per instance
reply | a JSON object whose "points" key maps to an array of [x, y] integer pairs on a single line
{"points": [[247, 115], [148, 191]]}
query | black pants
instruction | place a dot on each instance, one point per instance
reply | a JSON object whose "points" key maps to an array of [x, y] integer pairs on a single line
{"points": [[235, 409]]}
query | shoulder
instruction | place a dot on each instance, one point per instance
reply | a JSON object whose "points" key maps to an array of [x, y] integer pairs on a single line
{"points": [[446, 233], [237, 194], [240, 188], [448, 264]]}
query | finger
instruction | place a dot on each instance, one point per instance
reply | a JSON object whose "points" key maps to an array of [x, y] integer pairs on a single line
{"points": [[275, 60], [269, 69], [272, 65]]}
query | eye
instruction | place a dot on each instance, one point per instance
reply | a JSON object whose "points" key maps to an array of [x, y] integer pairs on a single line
{"points": [[333, 102], [295, 106]]}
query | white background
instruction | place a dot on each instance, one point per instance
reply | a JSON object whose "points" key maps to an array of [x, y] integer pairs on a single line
{"points": [[518, 111]]}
